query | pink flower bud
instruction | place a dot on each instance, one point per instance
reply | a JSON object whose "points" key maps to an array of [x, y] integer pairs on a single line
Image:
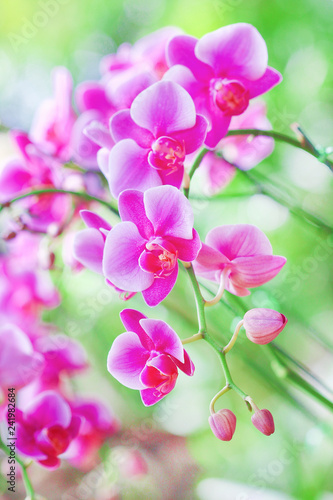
{"points": [[263, 421], [223, 424], [263, 325]]}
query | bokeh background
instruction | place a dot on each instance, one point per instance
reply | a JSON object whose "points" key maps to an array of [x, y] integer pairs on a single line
{"points": [[296, 462]]}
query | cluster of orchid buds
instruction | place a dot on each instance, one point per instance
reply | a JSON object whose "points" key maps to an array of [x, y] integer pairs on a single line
{"points": [[162, 110], [261, 327]]}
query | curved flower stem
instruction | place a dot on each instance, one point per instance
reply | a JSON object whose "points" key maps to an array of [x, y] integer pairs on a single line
{"points": [[233, 338], [305, 143], [200, 304], [199, 300], [225, 389], [37, 192], [251, 404], [27, 484], [194, 167], [220, 291], [281, 368], [197, 336]]}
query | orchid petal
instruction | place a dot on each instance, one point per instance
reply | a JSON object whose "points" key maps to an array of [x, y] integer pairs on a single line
{"points": [[160, 288], [163, 108], [169, 211], [129, 168], [237, 50], [88, 249], [122, 126], [126, 360], [239, 240], [165, 339], [123, 247]]}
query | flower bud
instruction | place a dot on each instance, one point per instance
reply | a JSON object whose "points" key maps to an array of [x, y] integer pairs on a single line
{"points": [[223, 424], [263, 325], [263, 421]]}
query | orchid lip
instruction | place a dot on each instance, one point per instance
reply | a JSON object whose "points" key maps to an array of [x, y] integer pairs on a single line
{"points": [[230, 96], [159, 258], [167, 154]]}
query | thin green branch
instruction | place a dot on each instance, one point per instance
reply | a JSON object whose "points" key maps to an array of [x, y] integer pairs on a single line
{"points": [[194, 167], [305, 144], [283, 370], [267, 376], [200, 304], [37, 192]]}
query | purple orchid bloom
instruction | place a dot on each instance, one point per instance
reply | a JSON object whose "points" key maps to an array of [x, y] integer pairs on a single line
{"points": [[243, 253], [222, 71], [141, 253], [147, 356], [153, 139], [45, 429]]}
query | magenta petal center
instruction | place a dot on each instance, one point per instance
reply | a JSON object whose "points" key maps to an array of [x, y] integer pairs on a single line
{"points": [[158, 260], [230, 96], [167, 154]]}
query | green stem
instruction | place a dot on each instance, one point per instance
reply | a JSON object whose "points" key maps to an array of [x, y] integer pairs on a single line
{"points": [[194, 167], [306, 144], [281, 369], [27, 484], [217, 396], [233, 339], [37, 192], [200, 304], [199, 301], [194, 338]]}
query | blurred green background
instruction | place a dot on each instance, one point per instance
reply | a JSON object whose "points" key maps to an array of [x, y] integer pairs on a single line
{"points": [[296, 462]]}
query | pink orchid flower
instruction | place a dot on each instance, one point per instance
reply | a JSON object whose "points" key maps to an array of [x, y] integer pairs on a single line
{"points": [[222, 71], [53, 122], [19, 362], [147, 357], [242, 253], [45, 429], [242, 151], [140, 253], [97, 425], [153, 139]]}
